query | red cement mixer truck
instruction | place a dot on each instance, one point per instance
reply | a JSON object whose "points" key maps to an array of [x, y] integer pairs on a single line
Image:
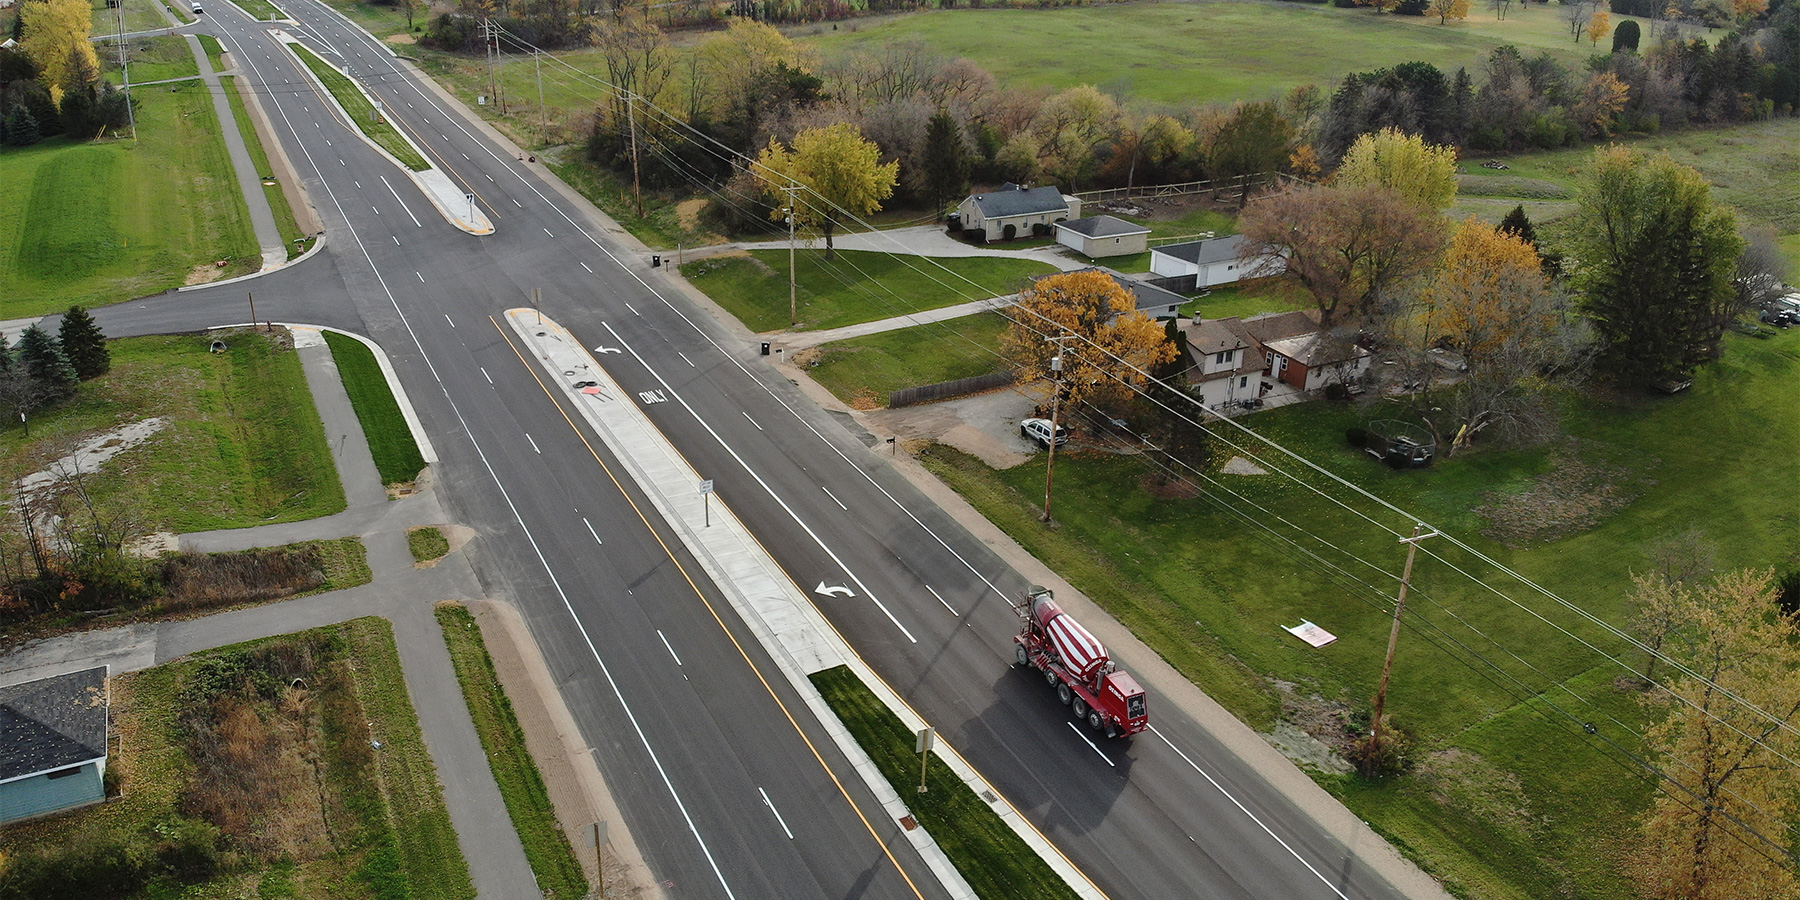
{"points": [[1074, 662]]}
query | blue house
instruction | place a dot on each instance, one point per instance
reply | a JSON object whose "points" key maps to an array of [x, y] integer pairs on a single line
{"points": [[52, 744]]}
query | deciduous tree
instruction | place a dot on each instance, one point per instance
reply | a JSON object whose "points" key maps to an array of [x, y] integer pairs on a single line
{"points": [[1348, 246], [1114, 345], [842, 175], [1602, 99], [56, 32], [1255, 138], [1446, 10], [1722, 829], [1599, 25], [1652, 262], [1070, 128], [1418, 172]]}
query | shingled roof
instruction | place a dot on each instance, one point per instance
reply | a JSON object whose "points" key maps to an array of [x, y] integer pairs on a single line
{"points": [[1103, 226], [52, 723], [1012, 200]]}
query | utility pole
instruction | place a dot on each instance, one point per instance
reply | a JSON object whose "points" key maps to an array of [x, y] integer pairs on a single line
{"points": [[252, 310], [1056, 368], [1387, 667], [793, 303], [637, 187], [543, 116], [124, 65]]}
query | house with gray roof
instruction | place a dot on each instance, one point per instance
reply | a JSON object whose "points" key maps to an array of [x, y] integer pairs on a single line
{"points": [[52, 744], [1212, 262], [1099, 236], [1010, 210], [1156, 302]]}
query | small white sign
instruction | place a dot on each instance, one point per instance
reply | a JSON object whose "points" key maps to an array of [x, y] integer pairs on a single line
{"points": [[706, 486], [1312, 634]]}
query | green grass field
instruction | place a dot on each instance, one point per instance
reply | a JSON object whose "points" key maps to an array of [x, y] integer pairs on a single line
{"points": [[106, 221], [152, 59], [356, 824], [1205, 51], [559, 875], [215, 53], [391, 442], [991, 857], [244, 445], [427, 543], [357, 105], [259, 9], [859, 286], [137, 15], [869, 367], [1509, 794], [278, 202]]}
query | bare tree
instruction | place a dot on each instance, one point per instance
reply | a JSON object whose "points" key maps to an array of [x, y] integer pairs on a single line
{"points": [[1762, 272]]}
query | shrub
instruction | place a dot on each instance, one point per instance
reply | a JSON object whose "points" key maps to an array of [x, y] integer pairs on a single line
{"points": [[1009, 232], [1384, 758], [1337, 392], [198, 579], [1039, 229], [975, 235], [103, 867]]}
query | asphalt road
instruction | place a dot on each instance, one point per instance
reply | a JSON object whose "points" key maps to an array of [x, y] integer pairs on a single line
{"points": [[690, 746]]}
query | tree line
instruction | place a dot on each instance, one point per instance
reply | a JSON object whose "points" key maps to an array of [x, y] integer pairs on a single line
{"points": [[50, 84]]}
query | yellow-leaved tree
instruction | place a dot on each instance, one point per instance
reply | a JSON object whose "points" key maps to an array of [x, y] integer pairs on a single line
{"points": [[1111, 347], [1491, 304], [1599, 25], [56, 39], [1446, 10], [1421, 173], [838, 174], [1721, 829]]}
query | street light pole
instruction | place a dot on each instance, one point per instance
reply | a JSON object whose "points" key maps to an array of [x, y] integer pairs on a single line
{"points": [[1387, 667]]}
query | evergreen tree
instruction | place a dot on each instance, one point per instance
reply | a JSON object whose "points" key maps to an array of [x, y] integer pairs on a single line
{"points": [[83, 344], [22, 127], [6, 357], [1519, 226], [44, 362], [946, 161], [78, 114]]}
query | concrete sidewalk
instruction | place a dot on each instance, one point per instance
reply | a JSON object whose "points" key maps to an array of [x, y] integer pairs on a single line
{"points": [[918, 240], [800, 340]]}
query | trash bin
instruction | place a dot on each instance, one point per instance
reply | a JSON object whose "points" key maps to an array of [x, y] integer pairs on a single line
{"points": [[765, 350], [655, 260]]}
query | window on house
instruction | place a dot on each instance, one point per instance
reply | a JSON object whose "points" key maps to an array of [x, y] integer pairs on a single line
{"points": [[1223, 358], [1244, 381]]}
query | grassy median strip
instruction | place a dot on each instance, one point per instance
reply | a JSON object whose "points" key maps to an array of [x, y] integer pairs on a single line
{"points": [[990, 856], [391, 442], [547, 848], [278, 202], [361, 111], [215, 53]]}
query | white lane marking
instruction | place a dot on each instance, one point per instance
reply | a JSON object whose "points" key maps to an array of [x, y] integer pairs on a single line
{"points": [[377, 211], [546, 231], [490, 178], [409, 212], [444, 136], [328, 142], [765, 485], [342, 163], [752, 421], [421, 278], [633, 312], [685, 359], [536, 548], [940, 599], [667, 646], [772, 808], [828, 493], [1246, 811], [448, 319], [357, 183], [465, 156], [396, 239], [534, 445], [591, 530], [1089, 743], [409, 105], [484, 374], [585, 266]]}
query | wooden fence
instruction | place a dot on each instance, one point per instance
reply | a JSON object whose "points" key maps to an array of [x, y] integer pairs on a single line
{"points": [[926, 393], [1232, 186]]}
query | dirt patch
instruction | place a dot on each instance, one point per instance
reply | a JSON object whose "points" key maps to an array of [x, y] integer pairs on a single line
{"points": [[1574, 496], [687, 212], [202, 274], [1326, 722], [1241, 466], [400, 39]]}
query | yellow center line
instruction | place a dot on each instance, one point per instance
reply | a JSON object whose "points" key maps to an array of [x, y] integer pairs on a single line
{"points": [[709, 608], [441, 163]]}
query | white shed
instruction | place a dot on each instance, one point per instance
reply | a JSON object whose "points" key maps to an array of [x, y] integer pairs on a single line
{"points": [[1214, 261], [1099, 236]]}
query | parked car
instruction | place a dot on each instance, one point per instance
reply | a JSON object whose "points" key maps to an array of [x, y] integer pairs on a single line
{"points": [[1779, 316], [1038, 431]]}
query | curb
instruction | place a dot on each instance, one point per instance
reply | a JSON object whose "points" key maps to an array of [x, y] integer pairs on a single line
{"points": [[398, 389], [317, 245]]}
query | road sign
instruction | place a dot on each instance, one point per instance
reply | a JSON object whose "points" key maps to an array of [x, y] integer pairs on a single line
{"points": [[706, 486]]}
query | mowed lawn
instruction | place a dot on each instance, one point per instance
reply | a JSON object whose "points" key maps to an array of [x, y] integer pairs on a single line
{"points": [[1511, 799], [1205, 51], [868, 368], [102, 222], [244, 445], [151, 59], [857, 286]]}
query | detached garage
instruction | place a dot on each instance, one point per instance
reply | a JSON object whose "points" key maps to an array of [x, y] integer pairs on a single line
{"points": [[52, 744], [1211, 262], [1100, 236]]}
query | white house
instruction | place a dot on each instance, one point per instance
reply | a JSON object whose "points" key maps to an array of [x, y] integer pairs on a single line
{"points": [[1098, 236], [1212, 262], [52, 744], [1227, 364], [1297, 353], [1010, 211]]}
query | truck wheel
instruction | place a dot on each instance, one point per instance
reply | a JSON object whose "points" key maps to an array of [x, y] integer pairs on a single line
{"points": [[1081, 708], [1050, 678], [1023, 657], [1064, 694], [1093, 718]]}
